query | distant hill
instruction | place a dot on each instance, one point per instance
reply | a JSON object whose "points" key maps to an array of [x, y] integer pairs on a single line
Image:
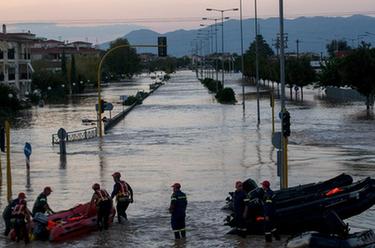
{"points": [[312, 32]]}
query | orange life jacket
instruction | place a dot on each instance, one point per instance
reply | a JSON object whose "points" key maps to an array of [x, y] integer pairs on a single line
{"points": [[19, 209], [124, 191], [102, 195]]}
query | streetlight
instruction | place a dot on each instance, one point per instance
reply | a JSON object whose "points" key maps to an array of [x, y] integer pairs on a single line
{"points": [[257, 58], [222, 36], [215, 19], [242, 59]]}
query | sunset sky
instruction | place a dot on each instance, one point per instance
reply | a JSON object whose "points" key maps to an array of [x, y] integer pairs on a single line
{"points": [[167, 15]]}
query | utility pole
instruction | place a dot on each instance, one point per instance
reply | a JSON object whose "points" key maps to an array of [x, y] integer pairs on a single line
{"points": [[297, 42], [284, 140]]}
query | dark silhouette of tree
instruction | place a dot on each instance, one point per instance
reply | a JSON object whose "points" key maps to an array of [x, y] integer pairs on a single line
{"points": [[264, 53], [358, 70], [122, 61], [299, 72], [337, 46], [73, 73]]}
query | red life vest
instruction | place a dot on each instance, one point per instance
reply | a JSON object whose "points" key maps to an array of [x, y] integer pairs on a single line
{"points": [[102, 195], [124, 191], [19, 209]]}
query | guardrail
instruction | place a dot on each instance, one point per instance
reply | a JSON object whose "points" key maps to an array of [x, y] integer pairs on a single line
{"points": [[77, 135]]}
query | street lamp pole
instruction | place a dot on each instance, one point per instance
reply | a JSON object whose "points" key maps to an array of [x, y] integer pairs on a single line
{"points": [[257, 60], [222, 37], [242, 59]]}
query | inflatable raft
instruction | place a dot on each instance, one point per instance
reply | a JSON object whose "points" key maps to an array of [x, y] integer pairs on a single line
{"points": [[74, 222], [321, 209]]}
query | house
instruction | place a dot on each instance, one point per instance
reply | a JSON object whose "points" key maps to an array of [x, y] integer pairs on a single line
{"points": [[15, 61], [51, 51]]}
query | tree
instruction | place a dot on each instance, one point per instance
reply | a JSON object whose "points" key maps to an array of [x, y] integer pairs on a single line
{"points": [[358, 70], [73, 73], [264, 53], [330, 76], [336, 46], [299, 72], [64, 70], [123, 61]]}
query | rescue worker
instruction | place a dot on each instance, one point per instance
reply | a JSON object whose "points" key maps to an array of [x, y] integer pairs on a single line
{"points": [[239, 198], [269, 212], [41, 204], [124, 196], [21, 217], [178, 210], [103, 203], [7, 213]]}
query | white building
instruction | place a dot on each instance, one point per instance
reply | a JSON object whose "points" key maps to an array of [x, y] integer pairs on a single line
{"points": [[15, 63]]}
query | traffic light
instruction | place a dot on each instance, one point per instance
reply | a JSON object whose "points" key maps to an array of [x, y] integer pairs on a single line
{"points": [[286, 124], [162, 46], [2, 139]]}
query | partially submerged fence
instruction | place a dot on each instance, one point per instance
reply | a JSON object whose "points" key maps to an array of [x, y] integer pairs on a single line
{"points": [[77, 135]]}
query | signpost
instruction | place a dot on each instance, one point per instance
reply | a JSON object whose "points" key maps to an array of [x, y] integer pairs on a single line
{"points": [[27, 150], [62, 136]]}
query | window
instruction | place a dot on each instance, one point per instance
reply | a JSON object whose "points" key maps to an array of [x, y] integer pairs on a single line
{"points": [[1, 54], [11, 53]]}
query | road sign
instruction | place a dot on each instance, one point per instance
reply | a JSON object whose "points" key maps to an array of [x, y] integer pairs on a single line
{"points": [[107, 106], [276, 140], [27, 149], [61, 134]]}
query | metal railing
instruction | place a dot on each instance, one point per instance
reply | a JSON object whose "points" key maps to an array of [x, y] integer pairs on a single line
{"points": [[77, 135]]}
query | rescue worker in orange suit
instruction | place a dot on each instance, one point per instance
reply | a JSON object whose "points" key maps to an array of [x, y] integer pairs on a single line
{"points": [[239, 198], [103, 203], [21, 217], [267, 197], [124, 196], [7, 214], [41, 204], [178, 210]]}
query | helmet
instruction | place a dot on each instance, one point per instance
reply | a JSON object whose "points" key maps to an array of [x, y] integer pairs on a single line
{"points": [[116, 175], [95, 186], [266, 184], [47, 189], [21, 195], [176, 185], [238, 184]]}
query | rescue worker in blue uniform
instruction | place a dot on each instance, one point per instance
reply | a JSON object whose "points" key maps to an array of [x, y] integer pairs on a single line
{"points": [[239, 200], [267, 198], [21, 217], [7, 213], [103, 203], [177, 209], [41, 204], [124, 196]]}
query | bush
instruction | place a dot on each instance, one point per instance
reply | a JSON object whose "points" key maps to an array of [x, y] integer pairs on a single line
{"points": [[226, 95], [212, 85], [130, 101]]}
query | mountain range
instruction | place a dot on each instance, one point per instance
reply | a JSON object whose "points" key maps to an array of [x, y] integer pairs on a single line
{"points": [[313, 33]]}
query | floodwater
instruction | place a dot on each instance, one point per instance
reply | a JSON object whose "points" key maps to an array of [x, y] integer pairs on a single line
{"points": [[181, 133]]}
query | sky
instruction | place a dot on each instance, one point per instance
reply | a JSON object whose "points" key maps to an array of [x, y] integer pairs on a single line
{"points": [[167, 15]]}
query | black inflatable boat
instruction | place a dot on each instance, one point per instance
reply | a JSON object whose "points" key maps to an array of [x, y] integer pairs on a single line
{"points": [[320, 209]]}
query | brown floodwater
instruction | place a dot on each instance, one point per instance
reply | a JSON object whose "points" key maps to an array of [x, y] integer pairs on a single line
{"points": [[180, 133]]}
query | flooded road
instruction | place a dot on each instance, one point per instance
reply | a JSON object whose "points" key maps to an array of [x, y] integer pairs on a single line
{"points": [[181, 134]]}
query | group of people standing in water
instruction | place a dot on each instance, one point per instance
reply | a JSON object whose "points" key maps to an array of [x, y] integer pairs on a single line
{"points": [[18, 217]]}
